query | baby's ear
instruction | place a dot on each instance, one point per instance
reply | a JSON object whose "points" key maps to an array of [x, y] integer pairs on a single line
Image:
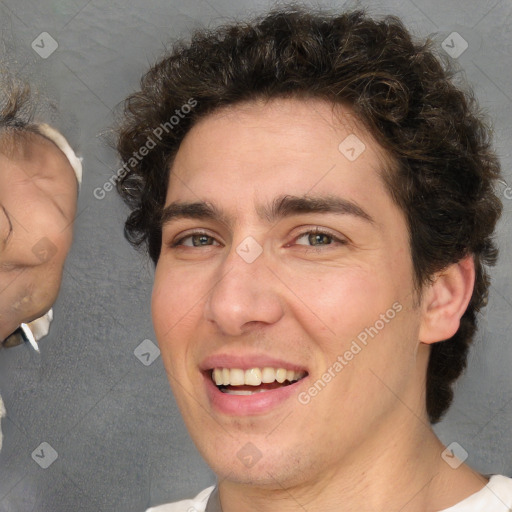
{"points": [[445, 300]]}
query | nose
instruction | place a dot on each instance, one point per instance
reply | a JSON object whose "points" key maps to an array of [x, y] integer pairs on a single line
{"points": [[245, 296]]}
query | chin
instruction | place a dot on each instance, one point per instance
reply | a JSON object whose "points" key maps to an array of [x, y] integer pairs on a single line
{"points": [[244, 463]]}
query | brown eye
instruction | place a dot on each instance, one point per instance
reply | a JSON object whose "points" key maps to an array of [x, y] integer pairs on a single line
{"points": [[315, 239], [200, 240], [196, 240], [319, 239]]}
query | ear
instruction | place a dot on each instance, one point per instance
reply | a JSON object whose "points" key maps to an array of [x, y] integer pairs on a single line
{"points": [[445, 300]]}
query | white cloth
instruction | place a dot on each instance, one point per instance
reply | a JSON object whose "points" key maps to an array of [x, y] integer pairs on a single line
{"points": [[496, 496], [41, 326], [198, 504], [60, 141]]}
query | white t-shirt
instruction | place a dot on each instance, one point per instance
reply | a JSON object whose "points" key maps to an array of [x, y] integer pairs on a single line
{"points": [[496, 496], [198, 504]]}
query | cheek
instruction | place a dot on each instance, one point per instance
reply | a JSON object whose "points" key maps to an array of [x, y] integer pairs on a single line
{"points": [[170, 300], [175, 309], [338, 302]]}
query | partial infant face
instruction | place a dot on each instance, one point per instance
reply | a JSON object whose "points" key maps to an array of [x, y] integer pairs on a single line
{"points": [[38, 199]]}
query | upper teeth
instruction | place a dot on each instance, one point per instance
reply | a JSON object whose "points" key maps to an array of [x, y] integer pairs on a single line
{"points": [[253, 376]]}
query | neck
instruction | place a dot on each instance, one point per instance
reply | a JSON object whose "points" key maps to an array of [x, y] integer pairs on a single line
{"points": [[408, 474]]}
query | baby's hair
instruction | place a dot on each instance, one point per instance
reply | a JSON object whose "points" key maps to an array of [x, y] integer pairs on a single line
{"points": [[17, 125]]}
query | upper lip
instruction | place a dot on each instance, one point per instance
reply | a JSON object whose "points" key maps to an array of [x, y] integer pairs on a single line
{"points": [[246, 362]]}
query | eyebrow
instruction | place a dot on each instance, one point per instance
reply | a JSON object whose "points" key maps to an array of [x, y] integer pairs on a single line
{"points": [[288, 205], [281, 207], [197, 210]]}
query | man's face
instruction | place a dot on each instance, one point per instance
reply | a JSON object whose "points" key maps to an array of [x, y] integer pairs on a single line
{"points": [[38, 196], [283, 250]]}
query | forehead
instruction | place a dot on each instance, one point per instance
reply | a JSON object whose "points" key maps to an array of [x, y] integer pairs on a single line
{"points": [[30, 155], [22, 145], [260, 149]]}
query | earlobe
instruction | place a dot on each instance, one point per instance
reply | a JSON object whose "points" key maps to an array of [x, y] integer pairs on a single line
{"points": [[445, 300]]}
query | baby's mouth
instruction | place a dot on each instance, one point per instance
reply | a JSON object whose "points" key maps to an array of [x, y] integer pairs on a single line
{"points": [[235, 381]]}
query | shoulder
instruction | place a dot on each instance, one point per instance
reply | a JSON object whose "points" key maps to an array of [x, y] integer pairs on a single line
{"points": [[197, 504], [496, 496]]}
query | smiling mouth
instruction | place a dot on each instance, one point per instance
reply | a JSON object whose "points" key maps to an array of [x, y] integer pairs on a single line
{"points": [[235, 381]]}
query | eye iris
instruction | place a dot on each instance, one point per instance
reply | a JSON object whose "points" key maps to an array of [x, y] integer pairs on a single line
{"points": [[198, 240], [319, 239]]}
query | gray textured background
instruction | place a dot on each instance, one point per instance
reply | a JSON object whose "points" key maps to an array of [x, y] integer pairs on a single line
{"points": [[120, 441]]}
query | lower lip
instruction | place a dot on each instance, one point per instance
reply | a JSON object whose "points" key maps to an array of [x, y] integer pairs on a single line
{"points": [[243, 405]]}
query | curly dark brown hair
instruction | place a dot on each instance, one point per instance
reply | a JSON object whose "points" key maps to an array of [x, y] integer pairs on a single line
{"points": [[444, 166]]}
